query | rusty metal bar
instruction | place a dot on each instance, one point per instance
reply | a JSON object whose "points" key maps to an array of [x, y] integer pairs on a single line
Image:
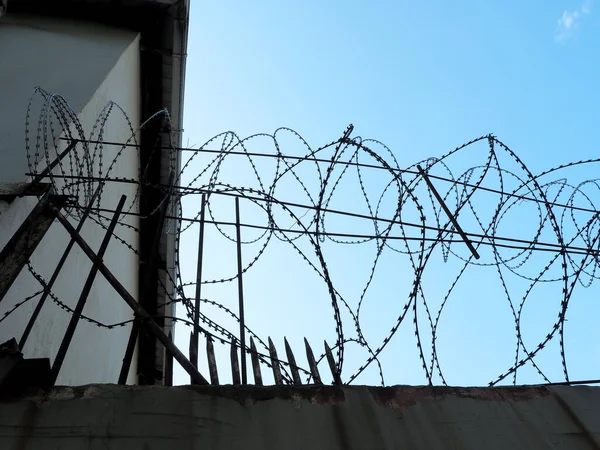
{"points": [[238, 229], [292, 362], [196, 333], [87, 287], [448, 213], [235, 367], [25, 240], [169, 365], [332, 365], [255, 364], [58, 268], [193, 353], [137, 326], [138, 310], [212, 361], [126, 363], [312, 363], [44, 173], [275, 363]]}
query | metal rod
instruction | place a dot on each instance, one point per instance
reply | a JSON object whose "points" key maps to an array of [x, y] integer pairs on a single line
{"points": [[169, 365], [448, 213], [255, 364], [138, 310], [126, 364], [212, 361], [58, 268], [135, 328], [25, 240], [193, 353], [87, 287], [40, 176], [235, 367], [292, 362], [275, 363], [312, 363], [332, 365], [238, 229], [196, 331]]}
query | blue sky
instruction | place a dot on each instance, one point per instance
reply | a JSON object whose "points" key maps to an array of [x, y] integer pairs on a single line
{"points": [[423, 78]]}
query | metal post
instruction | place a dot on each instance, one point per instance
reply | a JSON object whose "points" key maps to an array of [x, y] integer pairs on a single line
{"points": [[138, 310], [87, 287], [169, 365], [275, 363], [196, 331], [292, 362], [135, 328], [212, 361], [240, 290]]}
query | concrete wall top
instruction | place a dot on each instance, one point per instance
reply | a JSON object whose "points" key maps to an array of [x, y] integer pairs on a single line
{"points": [[309, 417]]}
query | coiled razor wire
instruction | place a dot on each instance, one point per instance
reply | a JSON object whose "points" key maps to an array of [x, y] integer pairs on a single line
{"points": [[535, 229]]}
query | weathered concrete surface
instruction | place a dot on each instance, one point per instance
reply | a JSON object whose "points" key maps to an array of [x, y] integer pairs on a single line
{"points": [[223, 417]]}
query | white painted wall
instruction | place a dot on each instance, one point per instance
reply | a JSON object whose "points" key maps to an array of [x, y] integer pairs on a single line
{"points": [[88, 65]]}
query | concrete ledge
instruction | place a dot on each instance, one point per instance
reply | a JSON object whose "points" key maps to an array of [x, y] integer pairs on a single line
{"points": [[307, 417]]}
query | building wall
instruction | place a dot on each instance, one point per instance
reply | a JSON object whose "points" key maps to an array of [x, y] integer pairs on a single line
{"points": [[88, 65], [307, 417]]}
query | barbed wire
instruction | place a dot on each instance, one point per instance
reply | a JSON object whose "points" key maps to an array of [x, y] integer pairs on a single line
{"points": [[349, 192]]}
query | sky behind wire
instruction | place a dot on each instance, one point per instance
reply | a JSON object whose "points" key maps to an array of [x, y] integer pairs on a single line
{"points": [[423, 78]]}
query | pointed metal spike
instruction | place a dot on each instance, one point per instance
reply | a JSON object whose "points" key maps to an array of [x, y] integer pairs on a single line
{"points": [[312, 363], [235, 366], [212, 361], [193, 354], [255, 363], [292, 362], [275, 364], [332, 366]]}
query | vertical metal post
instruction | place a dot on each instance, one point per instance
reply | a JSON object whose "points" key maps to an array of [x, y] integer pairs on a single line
{"points": [[312, 363], [332, 365], [275, 363], [87, 287], [135, 328], [235, 368], [196, 331], [169, 365], [292, 362], [255, 363], [240, 290], [212, 361]]}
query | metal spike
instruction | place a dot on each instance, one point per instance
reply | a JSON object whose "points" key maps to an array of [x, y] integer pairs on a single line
{"points": [[332, 365], [212, 361], [275, 364], [235, 366], [255, 363], [292, 362], [312, 363], [193, 352]]}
